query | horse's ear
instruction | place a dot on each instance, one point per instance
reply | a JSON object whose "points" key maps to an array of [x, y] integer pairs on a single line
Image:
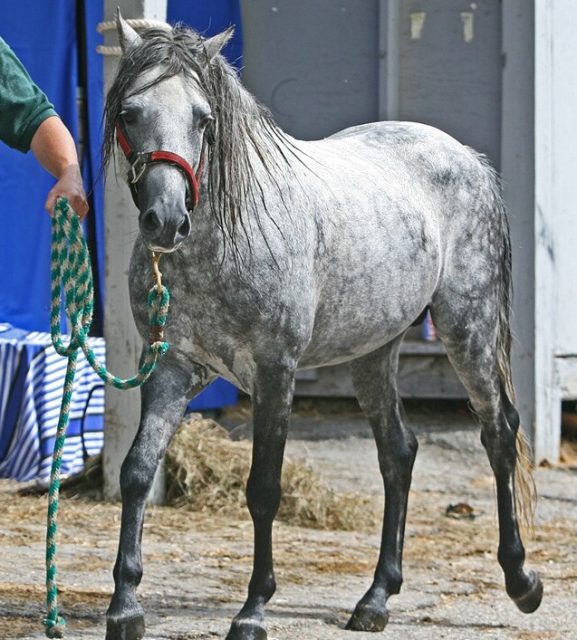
{"points": [[213, 45], [126, 34]]}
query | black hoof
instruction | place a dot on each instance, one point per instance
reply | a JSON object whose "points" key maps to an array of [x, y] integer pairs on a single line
{"points": [[531, 599], [127, 629], [367, 618], [246, 630]]}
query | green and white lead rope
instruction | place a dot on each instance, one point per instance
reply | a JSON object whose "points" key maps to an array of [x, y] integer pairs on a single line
{"points": [[71, 274]]}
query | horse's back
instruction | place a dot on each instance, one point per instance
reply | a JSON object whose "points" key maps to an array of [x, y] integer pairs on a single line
{"points": [[430, 158], [407, 167]]}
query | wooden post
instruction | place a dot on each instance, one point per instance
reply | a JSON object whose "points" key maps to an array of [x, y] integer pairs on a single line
{"points": [[123, 344], [555, 229]]}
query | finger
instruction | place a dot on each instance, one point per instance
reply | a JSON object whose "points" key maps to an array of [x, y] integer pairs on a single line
{"points": [[50, 202], [81, 207]]}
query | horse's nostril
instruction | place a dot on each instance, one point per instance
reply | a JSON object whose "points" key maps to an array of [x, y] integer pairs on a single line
{"points": [[150, 221], [184, 228]]}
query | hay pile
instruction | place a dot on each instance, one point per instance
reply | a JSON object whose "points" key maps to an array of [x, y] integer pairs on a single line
{"points": [[207, 472]]}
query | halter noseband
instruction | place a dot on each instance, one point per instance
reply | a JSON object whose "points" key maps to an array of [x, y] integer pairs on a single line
{"points": [[140, 161]]}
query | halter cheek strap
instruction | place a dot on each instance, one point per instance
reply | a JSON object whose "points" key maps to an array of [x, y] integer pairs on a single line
{"points": [[139, 163]]}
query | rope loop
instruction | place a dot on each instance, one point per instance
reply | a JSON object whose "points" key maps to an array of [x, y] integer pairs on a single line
{"points": [[71, 279], [71, 274]]}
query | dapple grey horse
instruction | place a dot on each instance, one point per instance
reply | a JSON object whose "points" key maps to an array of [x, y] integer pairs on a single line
{"points": [[282, 254]]}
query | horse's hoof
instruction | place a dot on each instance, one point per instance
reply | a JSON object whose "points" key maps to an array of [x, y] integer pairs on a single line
{"points": [[368, 618], [125, 629], [246, 630], [531, 599]]}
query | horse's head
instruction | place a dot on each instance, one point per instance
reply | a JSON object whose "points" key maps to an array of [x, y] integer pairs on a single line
{"points": [[159, 109]]}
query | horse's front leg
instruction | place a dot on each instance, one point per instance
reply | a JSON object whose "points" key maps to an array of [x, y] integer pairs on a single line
{"points": [[271, 400], [164, 399], [374, 379]]}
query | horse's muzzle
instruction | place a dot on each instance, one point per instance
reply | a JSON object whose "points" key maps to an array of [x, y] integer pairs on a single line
{"points": [[164, 233]]}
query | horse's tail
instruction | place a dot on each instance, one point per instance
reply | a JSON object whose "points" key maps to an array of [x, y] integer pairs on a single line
{"points": [[525, 492]]}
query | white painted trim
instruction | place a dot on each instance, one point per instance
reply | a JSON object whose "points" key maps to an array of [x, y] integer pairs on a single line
{"points": [[547, 395], [154, 10]]}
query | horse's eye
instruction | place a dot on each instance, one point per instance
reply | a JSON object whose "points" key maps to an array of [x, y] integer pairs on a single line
{"points": [[207, 120], [129, 116]]}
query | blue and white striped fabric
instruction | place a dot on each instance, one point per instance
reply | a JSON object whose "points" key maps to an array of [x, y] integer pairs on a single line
{"points": [[31, 379]]}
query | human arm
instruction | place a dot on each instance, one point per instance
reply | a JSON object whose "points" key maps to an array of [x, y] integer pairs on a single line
{"points": [[55, 150], [29, 121]]}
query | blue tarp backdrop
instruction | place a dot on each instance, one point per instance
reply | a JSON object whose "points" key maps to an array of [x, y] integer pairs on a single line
{"points": [[210, 18], [49, 39], [91, 71], [43, 35]]}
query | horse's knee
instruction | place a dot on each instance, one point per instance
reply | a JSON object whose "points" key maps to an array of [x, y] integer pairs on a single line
{"points": [[397, 455], [262, 497], [136, 477]]}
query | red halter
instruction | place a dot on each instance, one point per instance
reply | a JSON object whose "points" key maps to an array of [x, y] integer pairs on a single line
{"points": [[140, 161]]}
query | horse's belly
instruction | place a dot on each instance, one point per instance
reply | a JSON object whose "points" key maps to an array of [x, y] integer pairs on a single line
{"points": [[339, 339], [370, 307], [322, 354]]}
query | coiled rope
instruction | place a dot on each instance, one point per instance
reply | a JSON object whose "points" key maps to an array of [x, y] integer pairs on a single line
{"points": [[71, 274], [135, 23]]}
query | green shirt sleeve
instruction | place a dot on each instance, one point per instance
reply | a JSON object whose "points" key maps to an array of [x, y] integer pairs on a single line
{"points": [[23, 106]]}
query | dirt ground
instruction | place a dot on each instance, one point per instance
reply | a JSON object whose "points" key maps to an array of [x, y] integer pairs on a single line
{"points": [[197, 565]]}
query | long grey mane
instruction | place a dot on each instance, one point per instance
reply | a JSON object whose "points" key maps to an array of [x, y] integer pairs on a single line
{"points": [[243, 128]]}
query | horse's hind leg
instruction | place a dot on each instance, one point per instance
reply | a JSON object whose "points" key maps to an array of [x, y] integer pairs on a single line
{"points": [[164, 398], [470, 332], [374, 378]]}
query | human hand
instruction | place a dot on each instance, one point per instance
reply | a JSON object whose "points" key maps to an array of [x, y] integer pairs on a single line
{"points": [[69, 186]]}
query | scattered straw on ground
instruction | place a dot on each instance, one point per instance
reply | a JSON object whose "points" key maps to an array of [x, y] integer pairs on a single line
{"points": [[207, 471]]}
